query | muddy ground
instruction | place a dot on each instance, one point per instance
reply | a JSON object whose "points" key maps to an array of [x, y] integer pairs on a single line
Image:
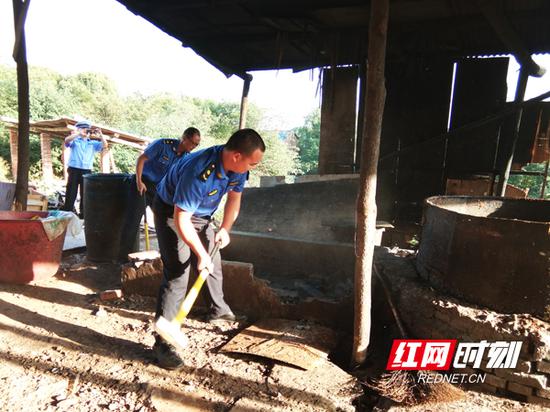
{"points": [[62, 349]]}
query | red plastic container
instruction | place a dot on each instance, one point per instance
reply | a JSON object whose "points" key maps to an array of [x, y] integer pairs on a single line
{"points": [[26, 253]]}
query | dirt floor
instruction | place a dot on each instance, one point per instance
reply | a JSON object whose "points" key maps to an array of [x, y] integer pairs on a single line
{"points": [[63, 349]]}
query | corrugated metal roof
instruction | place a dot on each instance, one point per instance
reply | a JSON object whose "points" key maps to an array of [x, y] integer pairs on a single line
{"points": [[241, 35]]}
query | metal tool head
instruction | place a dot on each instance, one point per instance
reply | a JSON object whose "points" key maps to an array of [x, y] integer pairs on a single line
{"points": [[171, 332]]}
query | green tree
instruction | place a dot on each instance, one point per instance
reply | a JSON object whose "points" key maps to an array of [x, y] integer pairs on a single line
{"points": [[279, 159], [532, 183], [125, 158], [308, 137], [47, 100], [8, 92], [163, 115], [95, 97], [225, 117]]}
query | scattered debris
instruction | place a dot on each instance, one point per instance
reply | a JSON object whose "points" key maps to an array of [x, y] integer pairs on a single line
{"points": [[100, 312], [111, 294]]}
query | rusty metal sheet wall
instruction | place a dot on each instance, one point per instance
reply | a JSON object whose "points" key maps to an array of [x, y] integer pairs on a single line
{"points": [[417, 107], [480, 90]]}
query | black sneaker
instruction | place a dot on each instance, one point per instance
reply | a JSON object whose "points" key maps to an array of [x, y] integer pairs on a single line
{"points": [[226, 317], [167, 356]]}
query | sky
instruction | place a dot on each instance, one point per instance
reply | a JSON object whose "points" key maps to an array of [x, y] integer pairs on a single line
{"points": [[72, 36]]}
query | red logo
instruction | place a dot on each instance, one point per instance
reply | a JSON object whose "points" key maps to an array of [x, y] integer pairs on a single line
{"points": [[421, 354]]}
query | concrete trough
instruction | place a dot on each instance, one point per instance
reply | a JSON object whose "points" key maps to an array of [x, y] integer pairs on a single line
{"points": [[281, 256], [493, 252]]}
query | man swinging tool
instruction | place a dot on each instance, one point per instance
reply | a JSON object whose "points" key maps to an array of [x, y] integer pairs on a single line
{"points": [[186, 199]]}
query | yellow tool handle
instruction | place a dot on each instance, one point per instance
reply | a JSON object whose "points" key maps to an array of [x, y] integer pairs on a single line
{"points": [[146, 234], [191, 297], [145, 225]]}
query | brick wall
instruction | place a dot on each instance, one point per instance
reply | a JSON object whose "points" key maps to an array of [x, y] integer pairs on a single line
{"points": [[431, 315]]}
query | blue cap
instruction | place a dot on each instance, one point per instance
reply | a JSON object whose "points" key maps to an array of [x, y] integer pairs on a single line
{"points": [[83, 125]]}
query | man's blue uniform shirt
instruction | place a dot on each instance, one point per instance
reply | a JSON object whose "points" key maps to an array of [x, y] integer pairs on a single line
{"points": [[198, 182], [160, 155], [82, 152]]}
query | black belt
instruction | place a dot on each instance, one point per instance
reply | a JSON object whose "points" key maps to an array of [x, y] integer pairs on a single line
{"points": [[166, 209]]}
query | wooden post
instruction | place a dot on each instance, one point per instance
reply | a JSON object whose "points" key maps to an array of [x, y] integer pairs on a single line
{"points": [[114, 169], [65, 154], [360, 115], [105, 160], [244, 100], [14, 137], [366, 200], [544, 179], [46, 156], [520, 94], [20, 57]]}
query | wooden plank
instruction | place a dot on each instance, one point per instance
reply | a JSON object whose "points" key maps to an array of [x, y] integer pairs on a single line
{"points": [[295, 343]]}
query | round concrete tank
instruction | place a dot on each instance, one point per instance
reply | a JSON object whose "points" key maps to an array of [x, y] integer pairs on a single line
{"points": [[490, 251]]}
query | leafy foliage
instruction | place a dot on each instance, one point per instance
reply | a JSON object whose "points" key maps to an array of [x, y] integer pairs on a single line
{"points": [[94, 96], [308, 142], [125, 158], [279, 159], [533, 183]]}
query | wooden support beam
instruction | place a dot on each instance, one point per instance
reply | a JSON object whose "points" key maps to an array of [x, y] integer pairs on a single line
{"points": [[520, 94], [544, 179], [46, 157], [65, 155], [366, 199], [19, 27], [104, 162], [23, 105], [114, 169], [14, 138], [360, 115], [125, 143], [244, 101]]}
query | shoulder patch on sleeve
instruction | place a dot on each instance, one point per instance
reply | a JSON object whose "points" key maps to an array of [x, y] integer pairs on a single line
{"points": [[205, 174]]}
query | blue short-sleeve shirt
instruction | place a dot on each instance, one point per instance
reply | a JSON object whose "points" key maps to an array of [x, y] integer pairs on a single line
{"points": [[83, 150], [160, 155], [198, 182]]}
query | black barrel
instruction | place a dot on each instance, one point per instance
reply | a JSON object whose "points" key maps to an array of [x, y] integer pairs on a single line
{"points": [[105, 206]]}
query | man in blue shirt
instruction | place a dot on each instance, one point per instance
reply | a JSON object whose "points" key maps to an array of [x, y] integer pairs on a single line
{"points": [[186, 199], [151, 167], [84, 143]]}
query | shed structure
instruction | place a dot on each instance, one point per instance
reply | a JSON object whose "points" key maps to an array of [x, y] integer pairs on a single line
{"points": [[433, 52], [61, 128]]}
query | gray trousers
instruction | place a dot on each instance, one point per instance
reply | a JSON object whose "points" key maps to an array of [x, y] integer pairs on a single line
{"points": [[177, 259]]}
